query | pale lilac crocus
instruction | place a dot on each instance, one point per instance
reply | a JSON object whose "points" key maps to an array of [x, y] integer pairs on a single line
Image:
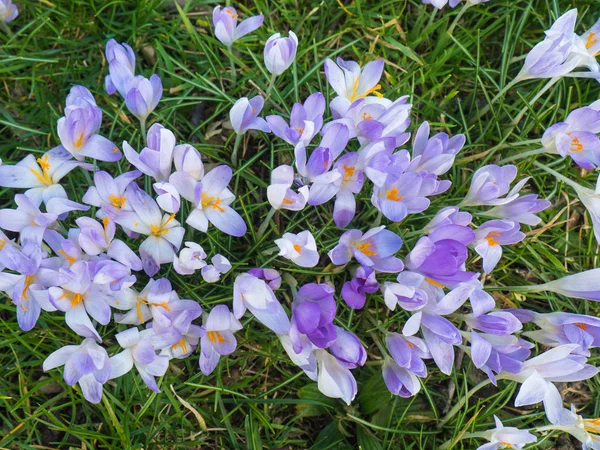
{"points": [[584, 285], [450, 215], [299, 248], [298, 129], [354, 292], [500, 323], [176, 335], [156, 159], [348, 349], [87, 364], [211, 273], [244, 115], [401, 373], [210, 199], [576, 137], [352, 82], [164, 231], [373, 249], [434, 154], [506, 437], [586, 431], [41, 176], [408, 292], [333, 142], [216, 338], [253, 294], [227, 30], [522, 209], [121, 67], [270, 276], [8, 11], [491, 236], [190, 259], [78, 129], [313, 311], [280, 52], [143, 95], [491, 182], [333, 379], [108, 193], [156, 299], [280, 193], [28, 287], [139, 351]]}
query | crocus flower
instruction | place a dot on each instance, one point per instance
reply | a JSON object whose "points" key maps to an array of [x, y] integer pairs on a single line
{"points": [[299, 248], [491, 236], [399, 380], [586, 431], [450, 215], [348, 349], [576, 137], [304, 359], [143, 95], [351, 82], [401, 373], [280, 53], [500, 323], [252, 293], [176, 335], [506, 437], [108, 194], [87, 364], [78, 129], [270, 276], [407, 292], [280, 193], [190, 259], [334, 141], [434, 154], [211, 200], [164, 232], [227, 30], [41, 176], [211, 273], [311, 111], [354, 292], [441, 255], [8, 11], [522, 209], [139, 351], [28, 288], [373, 249], [334, 380], [584, 284], [121, 67], [156, 159], [167, 197], [155, 299], [313, 311], [491, 182], [244, 115], [217, 337]]}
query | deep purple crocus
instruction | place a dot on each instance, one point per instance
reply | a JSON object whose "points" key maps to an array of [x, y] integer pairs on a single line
{"points": [[313, 312], [348, 349], [354, 292]]}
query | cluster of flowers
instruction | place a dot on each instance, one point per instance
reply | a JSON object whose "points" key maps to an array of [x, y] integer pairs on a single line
{"points": [[86, 271]]}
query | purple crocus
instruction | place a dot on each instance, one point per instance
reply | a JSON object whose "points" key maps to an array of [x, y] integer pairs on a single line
{"points": [[121, 67], [450, 215], [334, 141], [87, 364], [244, 115], [280, 53], [139, 351], [298, 129], [501, 323], [211, 273], [8, 11], [441, 255], [143, 95], [354, 292], [408, 292], [577, 137], [270, 276], [491, 182], [227, 30], [351, 82], [108, 194], [522, 209], [401, 373], [491, 236], [584, 285], [41, 176], [313, 312], [434, 154], [156, 159], [348, 349], [373, 249], [216, 338], [78, 129], [176, 335]]}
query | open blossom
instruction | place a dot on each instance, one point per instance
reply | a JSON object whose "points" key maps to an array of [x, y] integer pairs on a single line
{"points": [[8, 11], [156, 159], [491, 182], [299, 248], [156, 299], [586, 431], [400, 374], [313, 311], [190, 259], [506, 437], [143, 95], [280, 193], [280, 52], [211, 273], [407, 292], [78, 129], [216, 338], [306, 120], [139, 351], [334, 141], [373, 249], [87, 364], [227, 30], [450, 215], [164, 232], [577, 136], [491, 236], [121, 67], [108, 194], [351, 82], [354, 292], [434, 154], [244, 115]]}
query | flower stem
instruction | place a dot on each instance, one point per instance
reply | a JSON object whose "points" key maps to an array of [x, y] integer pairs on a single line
{"points": [[143, 129], [265, 224], [5, 29], [232, 70], [462, 402], [537, 151], [458, 17], [548, 85], [236, 146], [271, 84], [561, 177]]}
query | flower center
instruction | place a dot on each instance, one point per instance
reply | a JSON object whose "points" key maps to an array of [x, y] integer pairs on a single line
{"points": [[392, 194], [79, 141], [117, 202], [434, 283], [162, 229], [373, 90], [297, 248], [580, 325], [490, 238], [366, 249], [26, 285], [506, 444], [591, 40], [287, 201], [231, 14], [43, 177], [348, 173], [68, 257], [213, 202], [575, 146], [299, 130], [181, 343], [367, 116], [215, 336]]}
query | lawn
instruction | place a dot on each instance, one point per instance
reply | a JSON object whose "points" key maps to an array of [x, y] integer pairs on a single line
{"points": [[256, 398]]}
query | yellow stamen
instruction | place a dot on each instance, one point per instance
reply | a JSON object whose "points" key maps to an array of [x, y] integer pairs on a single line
{"points": [[2, 243], [162, 229], [373, 90], [105, 222], [367, 116], [591, 40], [68, 257], [213, 202], [43, 177], [287, 202], [297, 248], [233, 16], [583, 326], [181, 343], [348, 173], [490, 238], [575, 146], [117, 202], [79, 141], [43, 162], [506, 444], [434, 283], [392, 194], [299, 130], [366, 249], [76, 299], [26, 285], [215, 336]]}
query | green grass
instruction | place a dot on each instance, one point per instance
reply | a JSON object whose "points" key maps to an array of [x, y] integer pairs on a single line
{"points": [[256, 398]]}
